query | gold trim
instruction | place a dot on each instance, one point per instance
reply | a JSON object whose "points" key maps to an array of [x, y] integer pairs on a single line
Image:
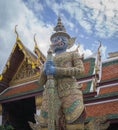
{"points": [[1, 76], [36, 46], [17, 36], [37, 51], [33, 65], [99, 48], [20, 46], [33, 77], [20, 81], [38, 100]]}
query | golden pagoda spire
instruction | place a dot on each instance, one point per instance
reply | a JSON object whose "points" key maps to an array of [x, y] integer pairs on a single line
{"points": [[17, 36]]}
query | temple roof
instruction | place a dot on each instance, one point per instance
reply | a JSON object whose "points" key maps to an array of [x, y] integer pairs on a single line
{"points": [[89, 66], [112, 88], [21, 66], [21, 91], [110, 70], [109, 109]]}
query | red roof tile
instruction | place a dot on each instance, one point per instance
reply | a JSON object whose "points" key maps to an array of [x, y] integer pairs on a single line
{"points": [[108, 89], [102, 109], [109, 70], [89, 65], [20, 90], [86, 67]]}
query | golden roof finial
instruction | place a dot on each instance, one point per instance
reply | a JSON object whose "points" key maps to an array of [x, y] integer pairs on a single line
{"points": [[36, 46], [99, 47], [36, 49], [17, 36]]}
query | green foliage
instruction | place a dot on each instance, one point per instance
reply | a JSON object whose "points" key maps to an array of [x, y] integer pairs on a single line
{"points": [[8, 127]]}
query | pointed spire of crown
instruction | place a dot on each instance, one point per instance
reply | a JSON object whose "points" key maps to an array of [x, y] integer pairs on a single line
{"points": [[59, 26], [61, 31]]}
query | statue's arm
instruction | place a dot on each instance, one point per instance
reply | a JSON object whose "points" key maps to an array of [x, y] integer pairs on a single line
{"points": [[76, 70]]}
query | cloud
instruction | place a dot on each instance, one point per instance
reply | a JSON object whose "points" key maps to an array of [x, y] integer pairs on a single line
{"points": [[82, 50], [98, 17], [104, 13], [16, 12]]}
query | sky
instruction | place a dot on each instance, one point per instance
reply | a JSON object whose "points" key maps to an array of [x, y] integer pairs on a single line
{"points": [[90, 21]]}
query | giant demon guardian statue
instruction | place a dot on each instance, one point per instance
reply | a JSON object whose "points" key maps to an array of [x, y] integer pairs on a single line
{"points": [[62, 104]]}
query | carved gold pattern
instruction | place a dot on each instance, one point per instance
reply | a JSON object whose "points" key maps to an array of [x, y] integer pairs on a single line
{"points": [[24, 73], [1, 77], [38, 100]]}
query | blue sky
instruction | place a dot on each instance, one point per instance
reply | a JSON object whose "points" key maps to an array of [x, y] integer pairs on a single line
{"points": [[90, 21]]}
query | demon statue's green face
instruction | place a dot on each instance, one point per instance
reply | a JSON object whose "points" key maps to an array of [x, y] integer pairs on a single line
{"points": [[59, 44]]}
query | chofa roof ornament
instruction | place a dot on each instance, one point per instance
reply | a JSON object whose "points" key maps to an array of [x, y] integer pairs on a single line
{"points": [[60, 30], [17, 35]]}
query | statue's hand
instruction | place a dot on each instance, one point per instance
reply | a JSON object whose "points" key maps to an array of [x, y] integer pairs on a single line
{"points": [[49, 68]]}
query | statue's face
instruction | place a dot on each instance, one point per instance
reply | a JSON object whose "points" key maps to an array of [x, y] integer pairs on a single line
{"points": [[59, 44]]}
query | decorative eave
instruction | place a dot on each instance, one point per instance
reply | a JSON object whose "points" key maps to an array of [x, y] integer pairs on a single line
{"points": [[107, 88], [21, 91], [102, 97], [112, 118], [113, 54]]}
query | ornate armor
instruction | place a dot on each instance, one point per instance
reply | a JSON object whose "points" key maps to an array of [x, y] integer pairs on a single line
{"points": [[68, 65]]}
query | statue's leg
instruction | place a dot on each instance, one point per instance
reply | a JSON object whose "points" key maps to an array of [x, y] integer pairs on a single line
{"points": [[77, 124]]}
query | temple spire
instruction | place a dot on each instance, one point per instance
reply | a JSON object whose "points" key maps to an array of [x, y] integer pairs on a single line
{"points": [[59, 26]]}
